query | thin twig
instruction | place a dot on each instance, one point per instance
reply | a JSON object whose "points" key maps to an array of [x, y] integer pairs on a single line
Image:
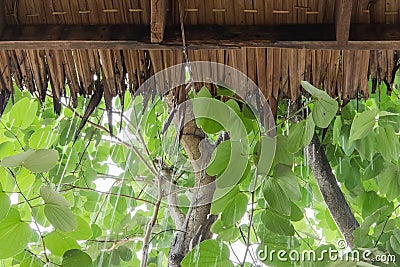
{"points": [[31, 208], [384, 226], [106, 193], [151, 224]]}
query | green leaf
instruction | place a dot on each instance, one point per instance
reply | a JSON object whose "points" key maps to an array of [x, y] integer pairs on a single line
{"points": [[264, 154], [234, 210], [288, 182], [4, 204], [301, 134], [325, 107], [223, 91], [208, 253], [296, 214], [43, 138], [82, 230], [23, 113], [208, 125], [14, 235], [58, 243], [220, 158], [366, 147], [276, 197], [389, 181], [52, 197], [395, 241], [388, 143], [16, 160], [124, 253], [337, 128], [60, 217], [222, 197], [34, 160], [76, 257], [277, 224], [227, 234], [41, 160], [282, 154], [57, 210], [363, 124]]}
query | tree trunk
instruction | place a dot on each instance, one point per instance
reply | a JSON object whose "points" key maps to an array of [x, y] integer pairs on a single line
{"points": [[193, 227], [330, 190]]}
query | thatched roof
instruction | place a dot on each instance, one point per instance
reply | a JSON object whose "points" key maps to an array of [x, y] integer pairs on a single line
{"points": [[37, 46]]}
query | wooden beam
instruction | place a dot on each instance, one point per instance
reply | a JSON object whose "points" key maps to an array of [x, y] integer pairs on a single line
{"points": [[2, 16], [315, 36], [157, 20], [343, 20]]}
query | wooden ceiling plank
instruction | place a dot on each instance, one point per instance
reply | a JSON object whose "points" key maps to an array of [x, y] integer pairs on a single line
{"points": [[157, 17], [343, 20]]}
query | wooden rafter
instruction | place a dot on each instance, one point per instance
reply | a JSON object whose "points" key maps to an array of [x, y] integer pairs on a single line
{"points": [[315, 36], [157, 20], [343, 20]]}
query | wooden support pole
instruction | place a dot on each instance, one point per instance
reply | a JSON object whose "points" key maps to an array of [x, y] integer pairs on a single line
{"points": [[343, 20], [157, 20]]}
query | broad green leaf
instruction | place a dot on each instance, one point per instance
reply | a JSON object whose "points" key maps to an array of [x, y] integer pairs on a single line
{"points": [[43, 138], [208, 125], [124, 253], [288, 182], [223, 91], [227, 234], [34, 160], [23, 113], [14, 234], [41, 160], [373, 218], [82, 230], [366, 147], [25, 179], [16, 160], [277, 224], [296, 136], [301, 134], [363, 124], [234, 210], [222, 197], [57, 210], [60, 217], [208, 253], [296, 214], [395, 241], [325, 107], [337, 128], [389, 181], [308, 131], [31, 261], [4, 205], [6, 149], [282, 154], [388, 142], [76, 257], [264, 152], [58, 243], [276, 197], [52, 197], [220, 158]]}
